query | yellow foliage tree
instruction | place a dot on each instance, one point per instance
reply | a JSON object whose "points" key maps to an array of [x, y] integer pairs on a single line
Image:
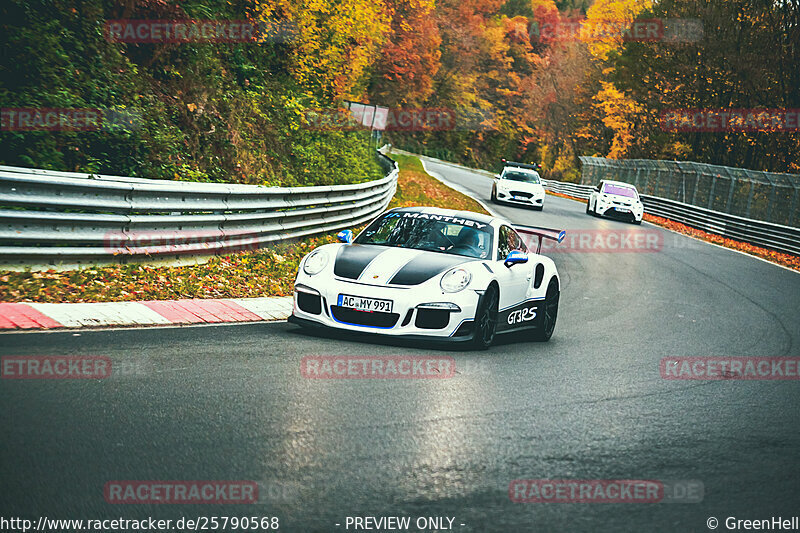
{"points": [[620, 114], [332, 41], [604, 23]]}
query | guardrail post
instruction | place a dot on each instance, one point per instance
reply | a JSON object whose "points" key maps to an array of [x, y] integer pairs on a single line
{"points": [[793, 211], [711, 192], [730, 195], [749, 199], [770, 203], [657, 182]]}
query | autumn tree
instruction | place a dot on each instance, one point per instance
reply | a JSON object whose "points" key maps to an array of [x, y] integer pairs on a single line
{"points": [[409, 60], [332, 43], [740, 58]]}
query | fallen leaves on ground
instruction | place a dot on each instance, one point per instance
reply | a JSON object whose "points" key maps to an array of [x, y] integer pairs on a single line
{"points": [[266, 272]]}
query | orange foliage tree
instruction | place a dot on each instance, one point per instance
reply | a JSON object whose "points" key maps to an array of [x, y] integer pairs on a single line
{"points": [[409, 60]]}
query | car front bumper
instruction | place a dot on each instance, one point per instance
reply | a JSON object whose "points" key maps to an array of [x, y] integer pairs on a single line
{"points": [[535, 201], [315, 304], [621, 212]]}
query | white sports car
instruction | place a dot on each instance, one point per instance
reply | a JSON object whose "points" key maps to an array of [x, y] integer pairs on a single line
{"points": [[616, 199], [519, 184], [433, 273]]}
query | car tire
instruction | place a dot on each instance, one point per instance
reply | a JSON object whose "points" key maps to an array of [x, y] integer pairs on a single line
{"points": [[637, 222], [486, 319], [546, 321], [494, 195], [588, 212]]}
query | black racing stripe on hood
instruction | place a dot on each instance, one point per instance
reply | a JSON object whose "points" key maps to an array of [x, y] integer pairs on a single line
{"points": [[352, 259], [425, 266]]}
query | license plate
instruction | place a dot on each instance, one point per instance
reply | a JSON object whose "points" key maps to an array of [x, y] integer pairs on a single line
{"points": [[623, 209], [365, 304]]}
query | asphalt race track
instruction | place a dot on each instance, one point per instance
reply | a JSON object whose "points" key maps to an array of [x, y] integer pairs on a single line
{"points": [[229, 403]]}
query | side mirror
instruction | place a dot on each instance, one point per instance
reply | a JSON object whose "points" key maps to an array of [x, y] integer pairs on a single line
{"points": [[497, 176], [515, 258], [597, 188], [345, 236]]}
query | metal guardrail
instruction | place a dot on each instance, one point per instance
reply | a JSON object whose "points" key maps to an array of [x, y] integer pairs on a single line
{"points": [[54, 219], [751, 194], [768, 235]]}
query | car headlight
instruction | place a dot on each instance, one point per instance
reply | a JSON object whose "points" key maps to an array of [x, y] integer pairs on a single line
{"points": [[455, 280], [315, 262]]}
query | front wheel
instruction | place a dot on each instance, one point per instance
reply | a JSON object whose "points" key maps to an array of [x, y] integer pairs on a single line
{"points": [[486, 319], [548, 312], [494, 195], [587, 208]]}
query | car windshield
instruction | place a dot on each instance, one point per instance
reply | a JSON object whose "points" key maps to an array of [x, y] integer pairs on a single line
{"points": [[528, 177], [619, 190], [431, 232]]}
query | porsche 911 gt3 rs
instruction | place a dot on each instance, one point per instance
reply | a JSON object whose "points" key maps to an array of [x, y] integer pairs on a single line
{"points": [[454, 276]]}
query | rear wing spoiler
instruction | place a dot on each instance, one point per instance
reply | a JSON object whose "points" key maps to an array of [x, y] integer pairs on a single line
{"points": [[543, 233], [534, 166]]}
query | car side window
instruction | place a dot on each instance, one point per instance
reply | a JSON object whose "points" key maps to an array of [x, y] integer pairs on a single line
{"points": [[502, 243], [508, 242], [519, 244]]}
